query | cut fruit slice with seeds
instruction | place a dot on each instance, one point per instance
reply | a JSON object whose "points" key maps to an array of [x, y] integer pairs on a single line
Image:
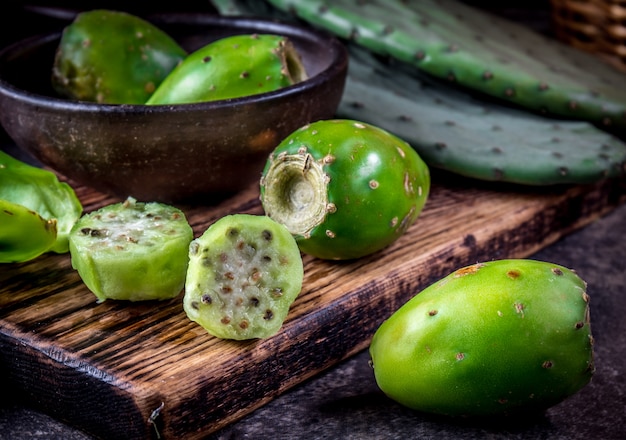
{"points": [[244, 273], [132, 250]]}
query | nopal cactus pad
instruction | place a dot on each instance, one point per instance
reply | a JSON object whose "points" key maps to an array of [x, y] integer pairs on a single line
{"points": [[473, 49], [455, 130], [500, 337], [482, 139]]}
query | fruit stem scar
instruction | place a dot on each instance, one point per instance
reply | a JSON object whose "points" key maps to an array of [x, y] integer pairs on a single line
{"points": [[296, 192]]}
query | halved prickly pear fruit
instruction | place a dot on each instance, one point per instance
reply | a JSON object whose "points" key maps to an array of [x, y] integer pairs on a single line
{"points": [[244, 273], [113, 57], [343, 188], [232, 67], [132, 250], [24, 234], [499, 337]]}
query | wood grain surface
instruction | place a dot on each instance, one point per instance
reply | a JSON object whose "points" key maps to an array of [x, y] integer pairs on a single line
{"points": [[143, 370]]}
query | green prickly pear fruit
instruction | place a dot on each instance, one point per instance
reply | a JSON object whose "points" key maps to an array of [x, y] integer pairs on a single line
{"points": [[244, 273], [232, 67], [132, 250], [500, 337], [343, 188], [113, 57]]}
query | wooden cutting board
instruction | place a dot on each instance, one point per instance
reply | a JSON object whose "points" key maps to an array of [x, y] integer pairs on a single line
{"points": [[120, 370]]}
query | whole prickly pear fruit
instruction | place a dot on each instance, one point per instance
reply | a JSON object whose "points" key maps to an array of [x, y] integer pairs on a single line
{"points": [[113, 57], [232, 67], [343, 188], [498, 337]]}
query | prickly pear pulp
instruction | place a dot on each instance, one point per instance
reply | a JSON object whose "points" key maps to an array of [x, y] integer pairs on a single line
{"points": [[499, 337], [113, 57], [232, 67]]}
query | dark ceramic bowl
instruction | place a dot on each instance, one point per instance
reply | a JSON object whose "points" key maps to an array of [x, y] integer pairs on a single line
{"points": [[184, 152]]}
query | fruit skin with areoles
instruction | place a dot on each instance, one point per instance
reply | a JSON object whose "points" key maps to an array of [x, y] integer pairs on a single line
{"points": [[343, 188], [232, 67], [500, 337], [113, 57]]}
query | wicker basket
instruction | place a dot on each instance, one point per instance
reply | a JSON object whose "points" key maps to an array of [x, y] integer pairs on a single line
{"points": [[597, 26]]}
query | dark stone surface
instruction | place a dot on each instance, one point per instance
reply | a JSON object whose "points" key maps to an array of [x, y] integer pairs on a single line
{"points": [[345, 403]]}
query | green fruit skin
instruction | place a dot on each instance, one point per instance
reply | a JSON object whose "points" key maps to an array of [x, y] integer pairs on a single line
{"points": [[378, 185], [40, 191], [241, 285], [147, 260], [230, 67], [113, 57], [499, 337], [24, 234]]}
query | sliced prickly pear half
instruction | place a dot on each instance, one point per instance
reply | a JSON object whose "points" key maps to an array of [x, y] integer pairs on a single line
{"points": [[244, 273], [24, 234], [465, 46], [499, 337], [232, 67], [113, 57], [132, 250]]}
